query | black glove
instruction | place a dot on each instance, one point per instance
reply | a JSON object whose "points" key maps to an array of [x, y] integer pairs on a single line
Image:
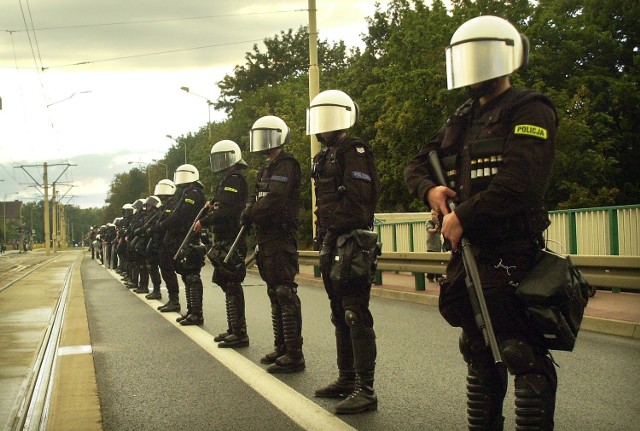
{"points": [[139, 231], [245, 217]]}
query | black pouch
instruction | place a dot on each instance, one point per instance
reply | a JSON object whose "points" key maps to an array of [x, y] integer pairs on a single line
{"points": [[356, 256], [190, 258], [555, 295], [234, 269]]}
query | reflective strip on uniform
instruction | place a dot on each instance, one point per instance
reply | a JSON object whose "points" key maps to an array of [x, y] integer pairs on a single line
{"points": [[230, 189], [189, 201], [279, 178], [360, 176], [529, 130]]}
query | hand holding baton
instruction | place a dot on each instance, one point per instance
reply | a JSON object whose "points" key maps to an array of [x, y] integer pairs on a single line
{"points": [[236, 243], [473, 283], [186, 239]]}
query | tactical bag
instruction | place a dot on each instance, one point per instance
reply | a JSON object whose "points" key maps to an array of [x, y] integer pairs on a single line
{"points": [[555, 294], [355, 256]]}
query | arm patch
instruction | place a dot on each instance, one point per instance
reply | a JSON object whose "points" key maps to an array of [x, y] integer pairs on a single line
{"points": [[361, 176], [189, 201], [279, 178], [529, 130], [230, 189]]}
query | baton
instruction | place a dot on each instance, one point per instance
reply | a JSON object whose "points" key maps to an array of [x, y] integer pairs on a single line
{"points": [[188, 236], [472, 281], [236, 243]]}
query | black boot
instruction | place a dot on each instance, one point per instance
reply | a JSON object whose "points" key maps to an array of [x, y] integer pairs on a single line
{"points": [[221, 336], [293, 360], [363, 398], [195, 314], [172, 305], [187, 295], [155, 294], [346, 382], [239, 337], [278, 336]]}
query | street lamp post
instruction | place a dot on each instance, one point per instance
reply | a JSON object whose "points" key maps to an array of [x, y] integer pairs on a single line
{"points": [[209, 104], [4, 217], [146, 168], [166, 168]]}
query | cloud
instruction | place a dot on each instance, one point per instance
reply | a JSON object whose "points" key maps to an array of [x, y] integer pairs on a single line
{"points": [[120, 104]]}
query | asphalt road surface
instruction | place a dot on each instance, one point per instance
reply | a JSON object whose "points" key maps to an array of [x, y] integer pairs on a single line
{"points": [[153, 374]]}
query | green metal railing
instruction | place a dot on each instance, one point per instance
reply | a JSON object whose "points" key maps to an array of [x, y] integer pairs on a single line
{"points": [[608, 231]]}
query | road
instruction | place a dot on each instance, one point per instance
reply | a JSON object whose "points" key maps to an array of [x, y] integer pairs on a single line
{"points": [[153, 374]]}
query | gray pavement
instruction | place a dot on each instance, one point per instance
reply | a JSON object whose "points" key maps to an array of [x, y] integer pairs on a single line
{"points": [[152, 374]]}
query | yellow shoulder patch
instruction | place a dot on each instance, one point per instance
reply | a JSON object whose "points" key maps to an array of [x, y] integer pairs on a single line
{"points": [[230, 189], [189, 201], [527, 129]]}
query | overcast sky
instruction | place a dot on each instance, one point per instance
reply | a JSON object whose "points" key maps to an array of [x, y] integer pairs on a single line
{"points": [[122, 101]]}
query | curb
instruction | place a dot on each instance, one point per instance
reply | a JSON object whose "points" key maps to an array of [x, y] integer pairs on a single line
{"points": [[620, 328]]}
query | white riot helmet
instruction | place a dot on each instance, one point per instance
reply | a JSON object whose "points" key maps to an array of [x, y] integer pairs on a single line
{"points": [[137, 205], [127, 209], [330, 111], [153, 201], [186, 174], [484, 48], [225, 154], [268, 132], [164, 188]]}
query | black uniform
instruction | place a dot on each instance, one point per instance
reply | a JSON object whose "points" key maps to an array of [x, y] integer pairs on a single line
{"points": [[275, 214], [166, 253], [189, 264], [223, 219], [498, 157], [347, 189]]}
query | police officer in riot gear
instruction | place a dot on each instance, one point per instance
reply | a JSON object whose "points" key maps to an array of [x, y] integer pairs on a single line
{"points": [[497, 150], [191, 259], [148, 265], [167, 192], [347, 187], [223, 218], [121, 248], [132, 256], [274, 211]]}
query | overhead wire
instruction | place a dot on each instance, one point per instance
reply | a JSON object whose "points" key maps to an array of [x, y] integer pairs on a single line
{"points": [[151, 54], [164, 20]]}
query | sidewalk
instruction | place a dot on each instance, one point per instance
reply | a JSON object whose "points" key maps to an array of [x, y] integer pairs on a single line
{"points": [[606, 312]]}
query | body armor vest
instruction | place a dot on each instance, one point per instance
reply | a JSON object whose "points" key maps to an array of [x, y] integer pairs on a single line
{"points": [[472, 151]]}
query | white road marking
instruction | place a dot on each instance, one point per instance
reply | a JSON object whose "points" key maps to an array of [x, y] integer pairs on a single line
{"points": [[296, 406]]}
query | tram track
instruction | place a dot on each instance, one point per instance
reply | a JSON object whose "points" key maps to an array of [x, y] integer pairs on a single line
{"points": [[37, 304]]}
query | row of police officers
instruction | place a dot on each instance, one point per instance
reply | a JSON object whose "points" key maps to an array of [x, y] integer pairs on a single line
{"points": [[501, 212]]}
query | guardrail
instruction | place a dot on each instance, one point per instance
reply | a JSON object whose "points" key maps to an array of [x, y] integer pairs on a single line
{"points": [[613, 272]]}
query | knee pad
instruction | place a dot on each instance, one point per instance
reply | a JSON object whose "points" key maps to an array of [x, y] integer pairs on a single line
{"points": [[192, 279], [518, 356], [352, 318], [284, 294], [474, 350]]}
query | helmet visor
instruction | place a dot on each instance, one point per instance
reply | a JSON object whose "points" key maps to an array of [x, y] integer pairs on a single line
{"points": [[476, 60], [261, 139], [328, 118], [222, 160]]}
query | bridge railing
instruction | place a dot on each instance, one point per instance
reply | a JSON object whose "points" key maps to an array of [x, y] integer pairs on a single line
{"points": [[586, 231], [612, 272]]}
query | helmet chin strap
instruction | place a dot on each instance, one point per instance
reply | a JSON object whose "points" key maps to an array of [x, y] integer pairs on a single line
{"points": [[485, 88], [333, 139]]}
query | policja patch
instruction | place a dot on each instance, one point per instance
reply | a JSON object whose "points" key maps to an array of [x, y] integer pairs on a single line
{"points": [[527, 129]]}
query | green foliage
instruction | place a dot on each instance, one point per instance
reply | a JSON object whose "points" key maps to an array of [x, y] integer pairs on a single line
{"points": [[584, 56]]}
